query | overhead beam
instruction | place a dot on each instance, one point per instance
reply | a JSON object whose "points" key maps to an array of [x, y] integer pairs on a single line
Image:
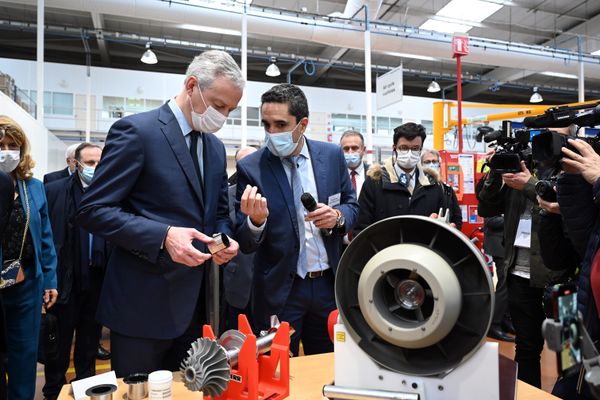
{"points": [[98, 21]]}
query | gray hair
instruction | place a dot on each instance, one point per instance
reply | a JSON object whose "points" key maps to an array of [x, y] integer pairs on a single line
{"points": [[212, 64], [430, 151], [70, 152], [352, 132]]}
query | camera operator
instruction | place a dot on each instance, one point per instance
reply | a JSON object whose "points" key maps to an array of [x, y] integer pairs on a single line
{"points": [[578, 194], [513, 194]]}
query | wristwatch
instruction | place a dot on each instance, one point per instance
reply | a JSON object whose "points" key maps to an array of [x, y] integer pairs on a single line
{"points": [[340, 220]]}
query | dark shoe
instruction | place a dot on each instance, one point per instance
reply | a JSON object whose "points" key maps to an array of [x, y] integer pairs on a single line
{"points": [[102, 354], [507, 326], [499, 334]]}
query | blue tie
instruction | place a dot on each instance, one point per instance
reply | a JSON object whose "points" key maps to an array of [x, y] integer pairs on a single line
{"points": [[296, 185]]}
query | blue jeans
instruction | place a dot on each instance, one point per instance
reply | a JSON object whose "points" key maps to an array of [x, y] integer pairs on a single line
{"points": [[23, 313]]}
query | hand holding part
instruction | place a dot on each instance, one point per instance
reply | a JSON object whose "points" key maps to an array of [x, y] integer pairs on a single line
{"points": [[178, 244]]}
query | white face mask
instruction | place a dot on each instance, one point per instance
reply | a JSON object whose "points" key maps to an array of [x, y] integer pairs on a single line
{"points": [[281, 144], [408, 159], [210, 120], [9, 159]]}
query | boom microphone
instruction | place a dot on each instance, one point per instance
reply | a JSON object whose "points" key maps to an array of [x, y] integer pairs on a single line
{"points": [[548, 121], [311, 205]]}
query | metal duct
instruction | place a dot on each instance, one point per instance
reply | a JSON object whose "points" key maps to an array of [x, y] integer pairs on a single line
{"points": [[339, 33]]}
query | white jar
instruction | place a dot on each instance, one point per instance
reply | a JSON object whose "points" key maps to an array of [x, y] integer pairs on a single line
{"points": [[159, 385]]}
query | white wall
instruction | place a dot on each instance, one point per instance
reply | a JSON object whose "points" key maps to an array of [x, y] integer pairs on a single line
{"points": [[47, 150]]}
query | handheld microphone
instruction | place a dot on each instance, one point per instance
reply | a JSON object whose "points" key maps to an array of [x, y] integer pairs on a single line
{"points": [[311, 205]]}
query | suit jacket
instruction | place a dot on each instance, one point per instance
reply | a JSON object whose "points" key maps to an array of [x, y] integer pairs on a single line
{"points": [[56, 175], [237, 274], [276, 257], [41, 233], [64, 196], [146, 182]]}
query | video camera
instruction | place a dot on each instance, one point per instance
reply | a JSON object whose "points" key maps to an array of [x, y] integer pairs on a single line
{"points": [[547, 144], [512, 147]]}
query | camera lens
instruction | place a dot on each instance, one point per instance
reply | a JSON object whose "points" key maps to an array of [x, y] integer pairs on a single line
{"points": [[545, 189]]}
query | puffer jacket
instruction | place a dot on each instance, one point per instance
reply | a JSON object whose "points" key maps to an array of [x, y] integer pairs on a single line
{"points": [[382, 196], [579, 205]]}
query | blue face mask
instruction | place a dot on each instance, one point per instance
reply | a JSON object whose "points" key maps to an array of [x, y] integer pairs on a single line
{"points": [[281, 144], [352, 159], [87, 174]]}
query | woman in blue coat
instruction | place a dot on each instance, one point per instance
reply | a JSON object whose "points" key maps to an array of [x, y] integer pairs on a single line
{"points": [[22, 302]]}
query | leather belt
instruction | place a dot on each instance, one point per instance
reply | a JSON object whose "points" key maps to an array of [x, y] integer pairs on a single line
{"points": [[317, 274]]}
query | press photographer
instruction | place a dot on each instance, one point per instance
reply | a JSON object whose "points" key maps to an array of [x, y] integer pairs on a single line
{"points": [[513, 194]]}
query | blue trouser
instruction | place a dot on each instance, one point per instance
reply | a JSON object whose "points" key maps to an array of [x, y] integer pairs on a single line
{"points": [[23, 310], [307, 309]]}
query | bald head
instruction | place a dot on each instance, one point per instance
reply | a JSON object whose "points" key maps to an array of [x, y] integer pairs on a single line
{"points": [[243, 152]]}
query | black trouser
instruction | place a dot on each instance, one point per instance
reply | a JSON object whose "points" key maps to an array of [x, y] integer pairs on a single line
{"points": [[131, 355], [77, 316], [527, 314], [501, 294]]}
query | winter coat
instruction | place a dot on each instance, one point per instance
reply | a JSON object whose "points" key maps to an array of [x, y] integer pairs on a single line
{"points": [[383, 196], [579, 203], [495, 198]]}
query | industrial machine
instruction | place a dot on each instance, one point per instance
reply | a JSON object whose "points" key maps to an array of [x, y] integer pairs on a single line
{"points": [[415, 303]]}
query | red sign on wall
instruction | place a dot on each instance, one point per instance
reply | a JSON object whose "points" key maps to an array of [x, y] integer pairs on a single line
{"points": [[460, 45]]}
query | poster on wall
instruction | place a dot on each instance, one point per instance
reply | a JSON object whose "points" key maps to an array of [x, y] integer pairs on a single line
{"points": [[468, 170]]}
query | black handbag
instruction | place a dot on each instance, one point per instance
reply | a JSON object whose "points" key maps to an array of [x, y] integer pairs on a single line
{"points": [[48, 344]]}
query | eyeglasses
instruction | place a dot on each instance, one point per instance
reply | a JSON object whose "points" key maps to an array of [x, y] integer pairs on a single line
{"points": [[406, 148], [428, 162]]}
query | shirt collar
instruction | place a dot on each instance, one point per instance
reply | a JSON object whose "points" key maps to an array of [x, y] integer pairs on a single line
{"points": [[360, 170], [180, 117]]}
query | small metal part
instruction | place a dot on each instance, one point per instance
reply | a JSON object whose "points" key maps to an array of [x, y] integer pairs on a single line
{"points": [[101, 392], [346, 393]]}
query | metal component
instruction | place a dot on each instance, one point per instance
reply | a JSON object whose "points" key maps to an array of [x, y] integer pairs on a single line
{"points": [[137, 386], [206, 368], [404, 312], [101, 392], [346, 393]]}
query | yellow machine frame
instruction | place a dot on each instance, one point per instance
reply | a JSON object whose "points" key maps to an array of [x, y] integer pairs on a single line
{"points": [[443, 122]]}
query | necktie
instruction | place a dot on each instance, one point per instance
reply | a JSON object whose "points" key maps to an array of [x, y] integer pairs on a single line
{"points": [[296, 185], [194, 153], [353, 174]]}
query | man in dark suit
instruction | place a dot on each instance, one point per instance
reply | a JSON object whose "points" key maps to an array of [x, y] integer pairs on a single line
{"points": [[158, 196], [237, 274], [80, 270], [296, 253], [69, 170]]}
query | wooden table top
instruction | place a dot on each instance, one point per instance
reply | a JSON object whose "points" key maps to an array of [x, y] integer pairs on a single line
{"points": [[308, 374]]}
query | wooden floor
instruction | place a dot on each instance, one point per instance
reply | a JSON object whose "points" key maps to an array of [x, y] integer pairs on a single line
{"points": [[549, 372]]}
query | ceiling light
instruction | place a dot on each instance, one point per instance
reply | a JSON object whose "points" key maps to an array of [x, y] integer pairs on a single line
{"points": [[406, 55], [210, 29], [559, 75], [445, 27], [273, 69], [433, 87], [536, 97], [455, 9], [596, 53], [149, 57]]}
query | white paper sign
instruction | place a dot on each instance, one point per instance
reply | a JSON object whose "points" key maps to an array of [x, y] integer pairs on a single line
{"points": [[389, 88], [80, 386], [466, 164]]}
